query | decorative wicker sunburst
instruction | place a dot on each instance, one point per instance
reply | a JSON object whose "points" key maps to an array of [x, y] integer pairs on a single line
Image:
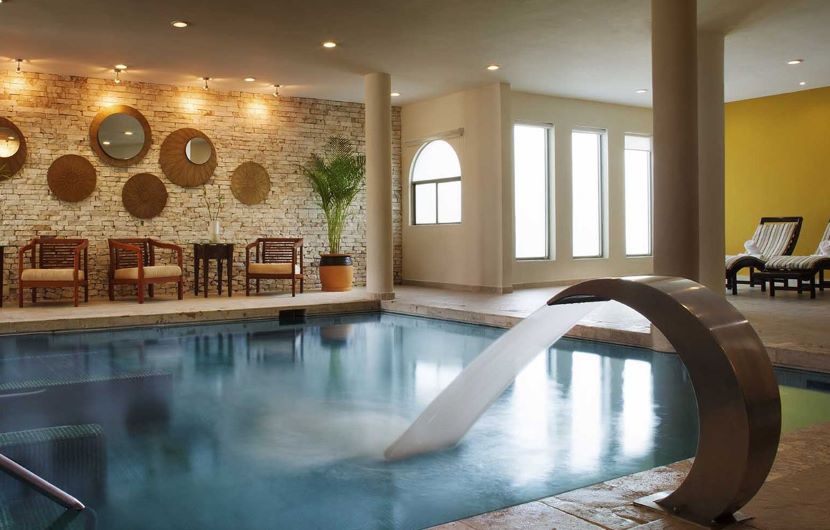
{"points": [[71, 178], [175, 164], [250, 183], [144, 195]]}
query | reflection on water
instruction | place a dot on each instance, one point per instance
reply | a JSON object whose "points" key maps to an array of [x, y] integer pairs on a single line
{"points": [[257, 425]]}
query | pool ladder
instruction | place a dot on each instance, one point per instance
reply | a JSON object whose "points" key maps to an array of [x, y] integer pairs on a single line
{"points": [[16, 471]]}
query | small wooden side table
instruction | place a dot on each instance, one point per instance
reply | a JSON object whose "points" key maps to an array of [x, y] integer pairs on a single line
{"points": [[2, 272], [202, 254]]}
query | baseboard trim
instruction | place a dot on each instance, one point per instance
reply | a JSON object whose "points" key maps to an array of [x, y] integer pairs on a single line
{"points": [[459, 287]]}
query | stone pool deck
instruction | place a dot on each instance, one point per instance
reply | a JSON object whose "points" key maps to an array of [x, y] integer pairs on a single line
{"points": [[794, 497], [794, 328]]}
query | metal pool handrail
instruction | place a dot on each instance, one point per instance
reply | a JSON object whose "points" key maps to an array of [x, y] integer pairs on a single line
{"points": [[739, 406], [22, 474]]}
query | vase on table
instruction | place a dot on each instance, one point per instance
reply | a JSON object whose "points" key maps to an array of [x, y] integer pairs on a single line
{"points": [[214, 231]]}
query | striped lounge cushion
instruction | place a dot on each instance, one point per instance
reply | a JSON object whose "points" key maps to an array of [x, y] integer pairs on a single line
{"points": [[732, 260], [772, 238], [795, 263]]}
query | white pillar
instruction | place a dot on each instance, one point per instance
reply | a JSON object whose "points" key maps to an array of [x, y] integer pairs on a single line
{"points": [[379, 275], [711, 159], [674, 84]]}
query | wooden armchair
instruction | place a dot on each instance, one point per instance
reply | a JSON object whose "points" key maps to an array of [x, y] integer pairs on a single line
{"points": [[133, 262], [54, 262], [276, 258]]}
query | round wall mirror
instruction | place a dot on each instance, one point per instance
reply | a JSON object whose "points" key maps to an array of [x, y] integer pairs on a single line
{"points": [[120, 135], [9, 142], [198, 150], [12, 149]]}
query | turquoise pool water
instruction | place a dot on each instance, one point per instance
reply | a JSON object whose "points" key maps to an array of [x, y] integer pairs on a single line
{"points": [[262, 425]]}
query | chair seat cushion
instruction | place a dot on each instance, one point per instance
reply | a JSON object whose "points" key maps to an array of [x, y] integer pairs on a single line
{"points": [[731, 261], [152, 271], [272, 268], [50, 275], [796, 263]]}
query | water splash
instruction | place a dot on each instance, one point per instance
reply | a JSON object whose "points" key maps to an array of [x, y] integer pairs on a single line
{"points": [[448, 418]]}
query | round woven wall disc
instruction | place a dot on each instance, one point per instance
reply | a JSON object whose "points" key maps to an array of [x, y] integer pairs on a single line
{"points": [[71, 178], [144, 195], [175, 164], [250, 183]]}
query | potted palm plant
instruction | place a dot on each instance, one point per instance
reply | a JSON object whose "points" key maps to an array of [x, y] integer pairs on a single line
{"points": [[336, 175]]}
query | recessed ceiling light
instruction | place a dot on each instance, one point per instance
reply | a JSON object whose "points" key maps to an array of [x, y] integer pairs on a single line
{"points": [[802, 83], [329, 44], [641, 90], [395, 94], [250, 79], [493, 67], [179, 24], [121, 67], [128, 133], [795, 61]]}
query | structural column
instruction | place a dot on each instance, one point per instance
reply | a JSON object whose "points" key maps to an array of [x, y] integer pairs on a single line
{"points": [[379, 275], [711, 158], [674, 85]]}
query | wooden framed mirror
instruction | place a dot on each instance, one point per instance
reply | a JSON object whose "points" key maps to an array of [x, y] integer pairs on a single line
{"points": [[188, 158], [12, 149], [120, 135]]}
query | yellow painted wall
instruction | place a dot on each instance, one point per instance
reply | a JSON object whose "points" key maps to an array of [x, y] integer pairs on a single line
{"points": [[778, 164]]}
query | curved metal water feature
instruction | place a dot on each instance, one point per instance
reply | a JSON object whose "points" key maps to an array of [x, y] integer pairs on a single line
{"points": [[737, 395]]}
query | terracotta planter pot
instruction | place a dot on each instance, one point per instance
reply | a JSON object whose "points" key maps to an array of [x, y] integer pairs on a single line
{"points": [[336, 272]]}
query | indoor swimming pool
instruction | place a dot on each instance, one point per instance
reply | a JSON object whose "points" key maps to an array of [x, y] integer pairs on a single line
{"points": [[255, 424]]}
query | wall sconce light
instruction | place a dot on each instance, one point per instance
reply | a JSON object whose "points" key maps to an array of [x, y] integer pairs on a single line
{"points": [[19, 64], [277, 90], [117, 79], [205, 79]]}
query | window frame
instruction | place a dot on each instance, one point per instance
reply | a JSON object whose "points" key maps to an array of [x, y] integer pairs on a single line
{"points": [[650, 227], [602, 181], [549, 152], [435, 182]]}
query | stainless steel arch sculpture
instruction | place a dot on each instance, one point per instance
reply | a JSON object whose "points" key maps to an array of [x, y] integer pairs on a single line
{"points": [[737, 395]]}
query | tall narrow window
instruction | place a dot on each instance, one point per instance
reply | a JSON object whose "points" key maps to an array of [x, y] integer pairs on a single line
{"points": [[531, 174], [436, 185], [637, 195], [586, 160]]}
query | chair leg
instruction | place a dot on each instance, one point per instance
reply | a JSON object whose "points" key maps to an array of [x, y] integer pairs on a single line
{"points": [[34, 295], [302, 285], [763, 286], [180, 289], [86, 293], [111, 291], [20, 296], [772, 288], [812, 287], [257, 287], [800, 286], [293, 287], [734, 282], [140, 293], [247, 286], [151, 290], [75, 294]]}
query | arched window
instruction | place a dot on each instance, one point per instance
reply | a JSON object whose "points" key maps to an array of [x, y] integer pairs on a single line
{"points": [[436, 184]]}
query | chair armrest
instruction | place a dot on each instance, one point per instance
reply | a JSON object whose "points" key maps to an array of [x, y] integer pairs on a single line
{"points": [[248, 248], [129, 248], [169, 246], [21, 253], [251, 245]]}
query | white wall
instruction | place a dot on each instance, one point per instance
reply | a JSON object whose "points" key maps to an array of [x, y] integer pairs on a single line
{"points": [[470, 253], [478, 253], [566, 115]]}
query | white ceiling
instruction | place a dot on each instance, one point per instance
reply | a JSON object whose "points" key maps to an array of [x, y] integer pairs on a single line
{"points": [[591, 49]]}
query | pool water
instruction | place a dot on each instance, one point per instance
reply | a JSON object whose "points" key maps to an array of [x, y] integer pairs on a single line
{"points": [[249, 425]]}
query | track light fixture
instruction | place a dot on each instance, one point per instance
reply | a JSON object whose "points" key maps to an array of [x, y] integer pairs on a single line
{"points": [[277, 90], [205, 79], [19, 64], [117, 79]]}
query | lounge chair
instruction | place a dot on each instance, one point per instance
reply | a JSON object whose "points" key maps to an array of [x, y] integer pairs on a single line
{"points": [[133, 262], [276, 258], [775, 236], [799, 268], [53, 262]]}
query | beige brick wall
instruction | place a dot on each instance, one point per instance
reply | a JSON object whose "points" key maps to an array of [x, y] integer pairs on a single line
{"points": [[54, 113]]}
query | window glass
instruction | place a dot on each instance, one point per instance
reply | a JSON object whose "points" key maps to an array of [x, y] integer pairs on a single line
{"points": [[586, 160], [436, 184], [530, 193], [637, 195]]}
